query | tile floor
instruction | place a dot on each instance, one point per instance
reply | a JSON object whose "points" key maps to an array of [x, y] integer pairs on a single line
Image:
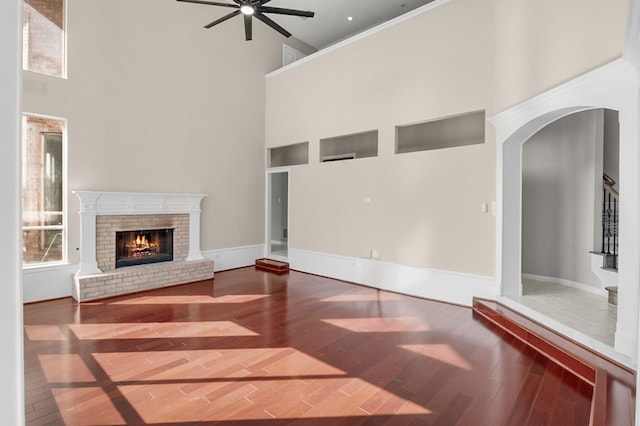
{"points": [[279, 250], [584, 312]]}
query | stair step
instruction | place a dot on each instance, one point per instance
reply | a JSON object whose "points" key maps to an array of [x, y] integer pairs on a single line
{"points": [[609, 260], [271, 265], [547, 342]]}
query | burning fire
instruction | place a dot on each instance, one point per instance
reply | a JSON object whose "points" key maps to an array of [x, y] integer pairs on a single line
{"points": [[141, 246]]}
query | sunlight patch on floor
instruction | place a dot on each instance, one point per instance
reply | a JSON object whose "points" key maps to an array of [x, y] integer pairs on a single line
{"points": [[368, 297], [378, 325], [78, 404], [44, 332], [263, 400], [159, 330], [65, 368], [212, 365], [441, 353], [190, 299]]}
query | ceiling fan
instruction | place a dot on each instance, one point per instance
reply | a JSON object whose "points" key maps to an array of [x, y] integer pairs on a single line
{"points": [[250, 8]]}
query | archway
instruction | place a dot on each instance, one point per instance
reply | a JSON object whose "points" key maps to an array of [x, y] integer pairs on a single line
{"points": [[613, 86]]}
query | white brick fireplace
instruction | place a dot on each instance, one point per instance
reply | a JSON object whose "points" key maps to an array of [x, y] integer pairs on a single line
{"points": [[103, 214]]}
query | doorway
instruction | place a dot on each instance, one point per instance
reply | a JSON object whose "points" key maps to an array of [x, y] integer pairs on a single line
{"points": [[277, 225]]}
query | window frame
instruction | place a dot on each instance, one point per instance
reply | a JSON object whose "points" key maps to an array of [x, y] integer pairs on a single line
{"points": [[63, 74], [64, 222]]}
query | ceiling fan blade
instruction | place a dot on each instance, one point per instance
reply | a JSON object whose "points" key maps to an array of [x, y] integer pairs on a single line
{"points": [[224, 18], [272, 24], [247, 27], [211, 3], [283, 11]]}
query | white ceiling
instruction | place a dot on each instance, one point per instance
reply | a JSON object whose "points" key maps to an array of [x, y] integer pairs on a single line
{"points": [[330, 23]]}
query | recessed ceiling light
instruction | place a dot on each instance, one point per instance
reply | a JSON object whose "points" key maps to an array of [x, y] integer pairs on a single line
{"points": [[349, 18]]}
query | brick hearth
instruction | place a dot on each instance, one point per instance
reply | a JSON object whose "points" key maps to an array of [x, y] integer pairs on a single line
{"points": [[104, 213]]}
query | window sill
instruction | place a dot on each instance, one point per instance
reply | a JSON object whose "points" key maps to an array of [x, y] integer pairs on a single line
{"points": [[26, 269]]}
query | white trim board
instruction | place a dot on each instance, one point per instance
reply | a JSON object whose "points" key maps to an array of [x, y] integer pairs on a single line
{"points": [[568, 283], [445, 286], [54, 282], [234, 257], [569, 332], [46, 283], [420, 10], [613, 86]]}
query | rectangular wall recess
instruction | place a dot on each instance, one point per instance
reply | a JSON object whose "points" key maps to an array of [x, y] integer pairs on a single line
{"points": [[349, 147], [289, 155], [459, 130]]}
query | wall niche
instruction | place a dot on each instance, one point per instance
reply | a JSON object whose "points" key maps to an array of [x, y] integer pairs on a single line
{"points": [[349, 147], [459, 130], [289, 155]]}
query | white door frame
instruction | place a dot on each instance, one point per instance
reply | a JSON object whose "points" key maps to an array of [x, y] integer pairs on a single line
{"points": [[267, 220]]}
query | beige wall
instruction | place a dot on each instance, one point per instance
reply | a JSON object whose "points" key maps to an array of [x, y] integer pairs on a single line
{"points": [[539, 44], [460, 56], [156, 103]]}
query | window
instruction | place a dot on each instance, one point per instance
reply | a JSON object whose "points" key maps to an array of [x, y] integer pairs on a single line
{"points": [[43, 36], [43, 190]]}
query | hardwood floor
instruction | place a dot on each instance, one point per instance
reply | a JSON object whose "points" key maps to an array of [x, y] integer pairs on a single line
{"points": [[252, 347]]}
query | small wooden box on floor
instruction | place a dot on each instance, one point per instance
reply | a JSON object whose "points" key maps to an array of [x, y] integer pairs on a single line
{"points": [[271, 265]]}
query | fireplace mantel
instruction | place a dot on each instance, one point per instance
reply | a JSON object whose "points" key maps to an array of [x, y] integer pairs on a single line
{"points": [[96, 203]]}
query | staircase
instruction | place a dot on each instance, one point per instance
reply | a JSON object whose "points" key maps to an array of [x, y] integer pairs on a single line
{"points": [[607, 268], [270, 265]]}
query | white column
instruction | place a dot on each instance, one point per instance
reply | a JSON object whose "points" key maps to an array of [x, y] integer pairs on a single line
{"points": [[194, 236], [88, 263], [629, 214], [88, 212]]}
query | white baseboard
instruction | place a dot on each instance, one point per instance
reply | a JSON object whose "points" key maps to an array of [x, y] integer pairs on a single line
{"points": [[47, 282], [568, 283], [453, 287], [234, 257], [53, 282], [446, 286]]}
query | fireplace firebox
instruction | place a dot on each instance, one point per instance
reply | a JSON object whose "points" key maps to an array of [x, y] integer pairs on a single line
{"points": [[142, 247]]}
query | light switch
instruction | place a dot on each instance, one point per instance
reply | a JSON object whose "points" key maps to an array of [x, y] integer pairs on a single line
{"points": [[484, 207]]}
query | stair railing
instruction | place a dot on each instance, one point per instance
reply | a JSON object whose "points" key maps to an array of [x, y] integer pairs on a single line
{"points": [[609, 217]]}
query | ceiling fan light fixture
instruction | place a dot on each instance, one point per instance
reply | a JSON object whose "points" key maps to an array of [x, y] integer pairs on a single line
{"points": [[247, 9], [250, 9]]}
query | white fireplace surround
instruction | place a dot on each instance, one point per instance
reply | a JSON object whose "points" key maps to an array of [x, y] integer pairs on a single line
{"points": [[96, 203]]}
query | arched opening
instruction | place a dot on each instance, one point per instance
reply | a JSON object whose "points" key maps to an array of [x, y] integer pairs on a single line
{"points": [[569, 221], [614, 87]]}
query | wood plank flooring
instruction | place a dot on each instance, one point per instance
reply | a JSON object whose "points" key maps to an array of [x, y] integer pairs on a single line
{"points": [[253, 348]]}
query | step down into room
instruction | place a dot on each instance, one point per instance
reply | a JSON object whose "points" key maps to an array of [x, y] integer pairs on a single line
{"points": [[613, 384], [271, 265]]}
